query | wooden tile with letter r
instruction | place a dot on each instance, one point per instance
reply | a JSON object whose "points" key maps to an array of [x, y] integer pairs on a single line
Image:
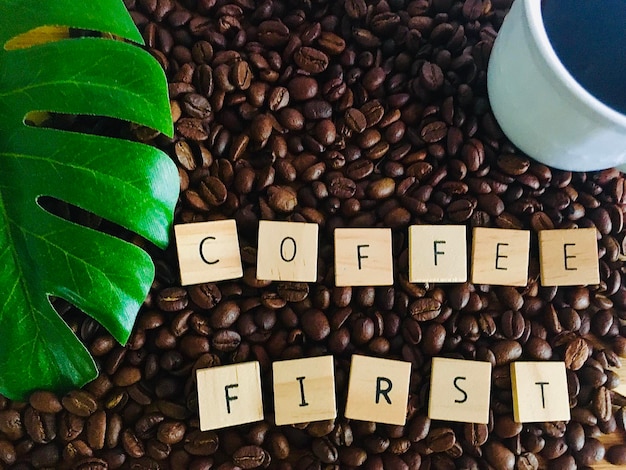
{"points": [[229, 395], [459, 390], [378, 390], [304, 390], [539, 392], [569, 257], [437, 253], [208, 251], [500, 256], [287, 251], [363, 257]]}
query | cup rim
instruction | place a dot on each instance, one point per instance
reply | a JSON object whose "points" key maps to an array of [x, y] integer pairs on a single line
{"points": [[537, 29]]}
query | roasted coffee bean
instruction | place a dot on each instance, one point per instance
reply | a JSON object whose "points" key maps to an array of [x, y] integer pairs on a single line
{"points": [[616, 454], [440, 439], [311, 60], [248, 457]]}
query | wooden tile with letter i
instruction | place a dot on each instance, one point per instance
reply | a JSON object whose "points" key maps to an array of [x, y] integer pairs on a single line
{"points": [[287, 251], [459, 390], [437, 253], [539, 392], [208, 252], [569, 257], [363, 257], [229, 395], [378, 390], [304, 390], [500, 256]]}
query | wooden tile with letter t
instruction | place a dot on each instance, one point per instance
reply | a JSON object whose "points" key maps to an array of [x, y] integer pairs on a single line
{"points": [[229, 395], [569, 257], [459, 390], [500, 256], [363, 257], [539, 392], [304, 390], [378, 390], [208, 252], [287, 251], [437, 253]]}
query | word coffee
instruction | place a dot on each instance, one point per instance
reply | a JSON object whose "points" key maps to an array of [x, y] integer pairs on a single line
{"points": [[288, 251], [378, 391]]}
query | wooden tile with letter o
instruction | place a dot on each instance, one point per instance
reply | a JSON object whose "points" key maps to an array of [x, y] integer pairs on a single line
{"points": [[208, 252], [437, 253], [378, 390], [539, 392], [569, 257], [363, 257], [287, 251], [304, 390], [459, 390], [500, 256], [229, 395]]}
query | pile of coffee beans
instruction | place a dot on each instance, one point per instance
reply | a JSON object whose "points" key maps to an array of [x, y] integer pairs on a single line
{"points": [[344, 113]]}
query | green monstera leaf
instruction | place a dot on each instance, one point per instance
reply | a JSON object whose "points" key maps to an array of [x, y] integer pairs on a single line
{"points": [[130, 184]]}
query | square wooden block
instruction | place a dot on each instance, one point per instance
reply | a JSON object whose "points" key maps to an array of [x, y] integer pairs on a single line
{"points": [[378, 390], [459, 390], [304, 390], [500, 256], [539, 392], [569, 257], [287, 251], [363, 257], [229, 395], [437, 253], [208, 252]]}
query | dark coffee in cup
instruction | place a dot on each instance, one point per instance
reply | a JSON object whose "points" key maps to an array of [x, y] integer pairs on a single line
{"points": [[590, 41]]}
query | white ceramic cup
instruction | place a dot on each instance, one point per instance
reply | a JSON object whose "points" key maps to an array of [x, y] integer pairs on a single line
{"points": [[541, 108]]}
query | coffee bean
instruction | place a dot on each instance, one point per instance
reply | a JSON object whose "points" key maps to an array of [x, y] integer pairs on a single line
{"points": [[80, 403], [440, 439], [425, 309], [45, 402], [248, 457], [201, 443], [576, 353], [311, 60], [616, 454], [592, 452], [431, 77], [499, 456]]}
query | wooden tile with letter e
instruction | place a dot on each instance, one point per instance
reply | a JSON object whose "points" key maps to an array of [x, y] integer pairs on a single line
{"points": [[500, 256], [304, 390], [437, 253], [459, 390], [363, 257], [208, 252], [539, 392], [378, 390], [569, 257], [229, 395], [287, 251]]}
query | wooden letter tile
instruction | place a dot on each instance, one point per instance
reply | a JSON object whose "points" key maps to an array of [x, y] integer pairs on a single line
{"points": [[287, 251], [437, 253], [500, 256], [459, 390], [363, 257], [539, 392], [304, 390], [569, 257], [229, 395], [378, 390], [208, 252]]}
